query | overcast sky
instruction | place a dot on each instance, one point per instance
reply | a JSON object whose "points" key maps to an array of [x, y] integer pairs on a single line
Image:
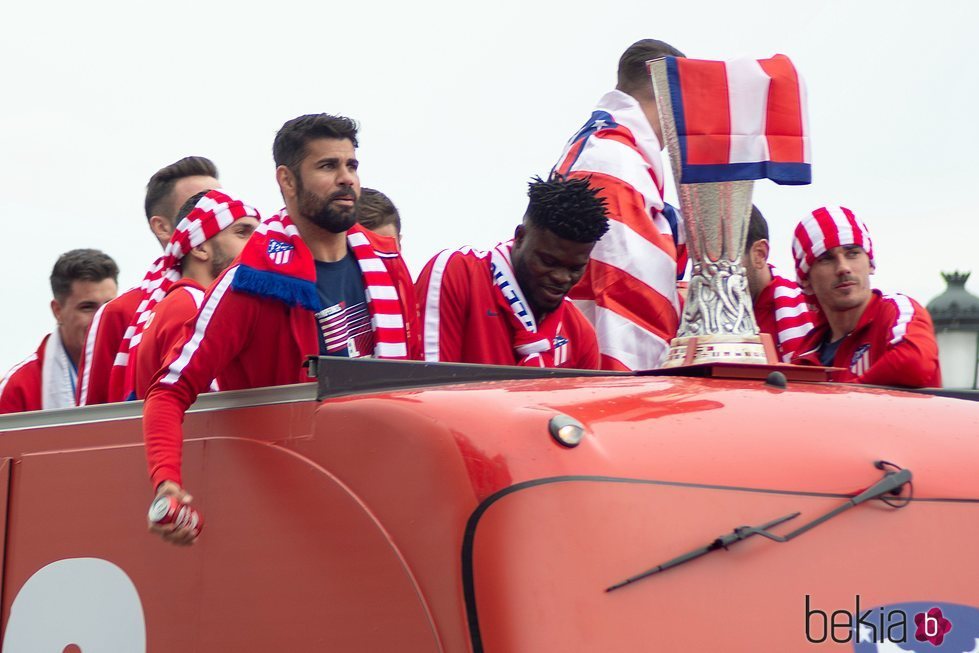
{"points": [[459, 106]]}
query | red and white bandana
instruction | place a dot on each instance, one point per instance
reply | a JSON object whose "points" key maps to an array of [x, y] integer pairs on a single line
{"points": [[824, 229], [277, 263], [213, 213]]}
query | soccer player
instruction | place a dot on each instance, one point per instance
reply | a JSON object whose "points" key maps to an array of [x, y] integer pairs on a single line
{"points": [[509, 306], [779, 304], [629, 292], [101, 373], [877, 338], [212, 228], [309, 281], [82, 281], [379, 214]]}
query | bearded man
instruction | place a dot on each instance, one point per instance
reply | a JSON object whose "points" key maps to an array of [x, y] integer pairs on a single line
{"points": [[309, 281]]}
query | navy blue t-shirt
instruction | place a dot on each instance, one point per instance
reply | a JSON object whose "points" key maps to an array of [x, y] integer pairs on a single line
{"points": [[345, 323], [827, 351]]}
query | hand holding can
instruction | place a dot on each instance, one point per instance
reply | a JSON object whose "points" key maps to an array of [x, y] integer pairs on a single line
{"points": [[172, 516]]}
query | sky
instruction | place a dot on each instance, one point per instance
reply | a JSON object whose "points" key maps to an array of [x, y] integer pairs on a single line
{"points": [[459, 107]]}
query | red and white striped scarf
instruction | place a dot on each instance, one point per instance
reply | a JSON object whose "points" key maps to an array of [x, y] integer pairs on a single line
{"points": [[535, 344], [793, 317], [277, 263], [213, 213]]}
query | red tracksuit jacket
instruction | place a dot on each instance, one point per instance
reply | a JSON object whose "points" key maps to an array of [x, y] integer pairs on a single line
{"points": [[892, 344], [246, 341], [462, 321], [96, 382], [20, 389], [167, 328]]}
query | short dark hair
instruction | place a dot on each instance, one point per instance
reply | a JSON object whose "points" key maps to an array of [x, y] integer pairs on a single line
{"points": [[189, 205], [81, 265], [159, 192], [289, 147], [571, 208], [757, 228], [376, 209], [633, 75]]}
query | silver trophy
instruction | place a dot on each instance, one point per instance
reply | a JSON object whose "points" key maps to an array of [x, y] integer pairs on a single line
{"points": [[718, 322]]}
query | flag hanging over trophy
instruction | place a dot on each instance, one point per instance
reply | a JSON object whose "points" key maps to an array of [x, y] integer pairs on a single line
{"points": [[727, 123]]}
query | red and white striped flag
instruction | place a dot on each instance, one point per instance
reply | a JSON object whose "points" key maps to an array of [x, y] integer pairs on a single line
{"points": [[739, 120]]}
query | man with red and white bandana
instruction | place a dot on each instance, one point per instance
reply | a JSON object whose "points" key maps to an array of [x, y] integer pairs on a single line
{"points": [[877, 338], [309, 281], [212, 228]]}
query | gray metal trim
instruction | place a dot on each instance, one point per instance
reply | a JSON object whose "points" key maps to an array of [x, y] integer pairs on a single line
{"points": [[134, 409], [954, 393], [338, 377]]}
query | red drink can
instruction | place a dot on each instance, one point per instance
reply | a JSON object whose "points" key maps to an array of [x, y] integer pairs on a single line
{"points": [[168, 510]]}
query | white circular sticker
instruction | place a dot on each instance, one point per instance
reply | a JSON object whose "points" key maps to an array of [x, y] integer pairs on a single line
{"points": [[85, 604]]}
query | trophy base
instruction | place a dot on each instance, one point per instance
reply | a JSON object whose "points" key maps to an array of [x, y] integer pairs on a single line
{"points": [[698, 350]]}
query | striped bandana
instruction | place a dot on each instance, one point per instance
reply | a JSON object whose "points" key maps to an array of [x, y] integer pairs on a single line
{"points": [[824, 229], [277, 263], [534, 345], [213, 213]]}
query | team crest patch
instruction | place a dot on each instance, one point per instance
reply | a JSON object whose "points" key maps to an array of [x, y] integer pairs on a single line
{"points": [[280, 252], [560, 350], [860, 362]]}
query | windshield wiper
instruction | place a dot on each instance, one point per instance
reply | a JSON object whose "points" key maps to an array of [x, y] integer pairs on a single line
{"points": [[891, 483]]}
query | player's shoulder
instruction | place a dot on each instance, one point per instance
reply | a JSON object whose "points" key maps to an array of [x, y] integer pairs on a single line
{"points": [[26, 370], [123, 305], [896, 305]]}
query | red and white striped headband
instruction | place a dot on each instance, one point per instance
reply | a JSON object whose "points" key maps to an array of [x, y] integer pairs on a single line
{"points": [[214, 212], [824, 229]]}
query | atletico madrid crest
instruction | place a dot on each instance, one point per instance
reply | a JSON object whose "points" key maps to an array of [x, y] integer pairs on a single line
{"points": [[279, 252], [860, 362]]}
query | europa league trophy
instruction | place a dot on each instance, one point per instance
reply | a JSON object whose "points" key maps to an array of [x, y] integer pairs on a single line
{"points": [[718, 323]]}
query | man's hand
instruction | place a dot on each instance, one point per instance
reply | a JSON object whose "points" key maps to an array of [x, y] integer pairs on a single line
{"points": [[179, 535]]}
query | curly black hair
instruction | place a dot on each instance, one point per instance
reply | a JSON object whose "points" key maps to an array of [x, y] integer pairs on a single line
{"points": [[571, 208]]}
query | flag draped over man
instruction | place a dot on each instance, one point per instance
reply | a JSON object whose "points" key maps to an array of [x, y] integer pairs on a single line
{"points": [[629, 290]]}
